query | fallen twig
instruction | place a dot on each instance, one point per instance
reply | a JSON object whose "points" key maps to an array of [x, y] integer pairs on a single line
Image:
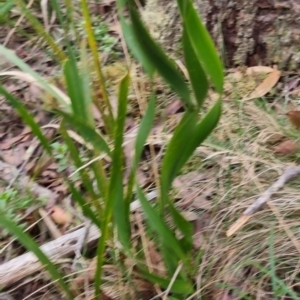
{"points": [[27, 264], [287, 175], [68, 244]]}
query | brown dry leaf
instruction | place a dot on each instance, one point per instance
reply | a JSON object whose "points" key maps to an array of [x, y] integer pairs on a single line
{"points": [[14, 156], [266, 86], [274, 138], [259, 69], [8, 143], [286, 148], [60, 216], [224, 295], [201, 202], [195, 199], [190, 215], [294, 117], [194, 190], [115, 28], [173, 107]]}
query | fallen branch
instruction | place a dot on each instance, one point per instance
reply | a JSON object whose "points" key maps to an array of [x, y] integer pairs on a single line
{"points": [[64, 246], [27, 264], [288, 174]]}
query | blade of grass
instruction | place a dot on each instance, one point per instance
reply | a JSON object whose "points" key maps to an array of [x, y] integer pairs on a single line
{"points": [[101, 178], [115, 202], [285, 289], [175, 149], [39, 28], [159, 59], [182, 145], [75, 88], [30, 245], [86, 82], [196, 74], [85, 206], [184, 226], [27, 117], [89, 134], [121, 207], [158, 224], [5, 8], [133, 45], [179, 287], [272, 263], [108, 120], [84, 176], [143, 132], [202, 43]]}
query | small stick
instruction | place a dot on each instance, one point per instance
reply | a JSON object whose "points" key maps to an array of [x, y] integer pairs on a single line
{"points": [[288, 174]]}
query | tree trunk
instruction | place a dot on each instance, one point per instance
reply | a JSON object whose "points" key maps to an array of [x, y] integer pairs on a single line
{"points": [[246, 32]]}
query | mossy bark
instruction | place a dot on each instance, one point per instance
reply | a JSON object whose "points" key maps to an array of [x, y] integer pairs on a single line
{"points": [[246, 32]]}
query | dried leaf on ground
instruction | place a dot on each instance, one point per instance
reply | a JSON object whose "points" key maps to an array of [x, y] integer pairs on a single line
{"points": [[190, 215], [259, 69], [60, 216], [194, 190], [286, 148], [14, 156], [9, 142], [274, 138], [173, 107], [294, 117], [266, 86]]}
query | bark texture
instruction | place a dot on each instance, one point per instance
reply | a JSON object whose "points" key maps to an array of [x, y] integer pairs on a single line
{"points": [[246, 32]]}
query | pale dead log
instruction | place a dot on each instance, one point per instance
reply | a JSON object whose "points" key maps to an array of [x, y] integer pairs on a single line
{"points": [[287, 175], [27, 264]]}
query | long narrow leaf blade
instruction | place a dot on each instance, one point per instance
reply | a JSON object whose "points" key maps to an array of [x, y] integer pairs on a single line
{"points": [[76, 159], [144, 129], [173, 162], [179, 287], [133, 45], [196, 74], [121, 208], [159, 59], [115, 194], [85, 206], [30, 245], [182, 135], [74, 87], [202, 131], [184, 226], [88, 133], [143, 132], [202, 43], [158, 224]]}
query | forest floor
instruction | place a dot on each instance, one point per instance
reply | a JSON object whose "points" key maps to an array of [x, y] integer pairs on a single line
{"points": [[252, 146]]}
